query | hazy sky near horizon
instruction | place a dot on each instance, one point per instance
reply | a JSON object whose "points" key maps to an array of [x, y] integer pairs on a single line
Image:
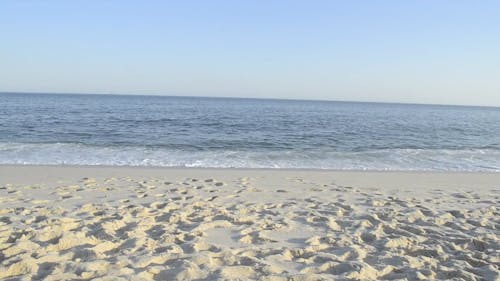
{"points": [[445, 52]]}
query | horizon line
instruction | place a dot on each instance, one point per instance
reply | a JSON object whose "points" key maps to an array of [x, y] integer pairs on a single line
{"points": [[248, 98]]}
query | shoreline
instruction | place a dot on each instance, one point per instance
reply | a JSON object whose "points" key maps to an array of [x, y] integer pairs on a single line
{"points": [[245, 169], [379, 179]]}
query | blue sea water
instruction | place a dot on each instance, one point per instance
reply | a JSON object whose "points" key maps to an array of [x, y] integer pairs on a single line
{"points": [[245, 133]]}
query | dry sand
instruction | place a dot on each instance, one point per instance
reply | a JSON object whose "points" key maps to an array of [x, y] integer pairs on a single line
{"points": [[100, 223]]}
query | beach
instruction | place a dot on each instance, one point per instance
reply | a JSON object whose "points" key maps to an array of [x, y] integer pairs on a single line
{"points": [[132, 223], [249, 140]]}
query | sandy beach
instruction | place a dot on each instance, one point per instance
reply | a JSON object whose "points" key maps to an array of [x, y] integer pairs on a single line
{"points": [[104, 223]]}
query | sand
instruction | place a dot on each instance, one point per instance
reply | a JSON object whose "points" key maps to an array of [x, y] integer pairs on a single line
{"points": [[103, 223]]}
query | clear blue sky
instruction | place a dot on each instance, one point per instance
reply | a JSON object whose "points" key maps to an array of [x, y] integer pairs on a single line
{"points": [[393, 51]]}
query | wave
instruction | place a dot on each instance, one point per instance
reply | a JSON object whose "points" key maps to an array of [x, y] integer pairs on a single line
{"points": [[381, 159]]}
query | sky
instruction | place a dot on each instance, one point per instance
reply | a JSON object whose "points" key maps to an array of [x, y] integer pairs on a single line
{"points": [[442, 52]]}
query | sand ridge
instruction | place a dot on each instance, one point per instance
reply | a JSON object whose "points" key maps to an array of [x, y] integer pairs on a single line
{"points": [[245, 227]]}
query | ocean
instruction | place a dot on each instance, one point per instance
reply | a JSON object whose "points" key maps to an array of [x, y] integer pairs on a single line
{"points": [[120, 130]]}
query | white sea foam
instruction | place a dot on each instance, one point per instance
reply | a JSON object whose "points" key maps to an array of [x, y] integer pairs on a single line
{"points": [[387, 159]]}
